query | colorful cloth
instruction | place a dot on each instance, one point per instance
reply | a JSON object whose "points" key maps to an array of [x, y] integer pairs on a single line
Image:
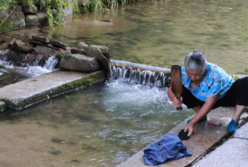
{"points": [[215, 81]]}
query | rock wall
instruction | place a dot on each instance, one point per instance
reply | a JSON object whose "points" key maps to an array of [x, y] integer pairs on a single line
{"points": [[28, 15], [83, 58]]}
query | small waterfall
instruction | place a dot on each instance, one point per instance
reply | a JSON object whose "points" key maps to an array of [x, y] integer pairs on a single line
{"points": [[140, 76], [51, 63], [29, 65]]}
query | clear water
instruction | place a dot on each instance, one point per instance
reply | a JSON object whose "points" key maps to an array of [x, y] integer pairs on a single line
{"points": [[105, 124], [102, 125], [162, 33], [11, 74]]}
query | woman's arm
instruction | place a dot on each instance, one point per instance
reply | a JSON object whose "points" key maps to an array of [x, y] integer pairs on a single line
{"points": [[205, 109], [176, 102]]}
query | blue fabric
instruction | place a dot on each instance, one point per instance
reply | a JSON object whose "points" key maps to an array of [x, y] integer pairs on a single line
{"points": [[215, 81], [233, 126], [170, 147]]}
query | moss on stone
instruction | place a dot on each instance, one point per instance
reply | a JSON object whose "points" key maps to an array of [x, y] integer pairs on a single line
{"points": [[3, 106], [26, 103], [84, 81], [6, 25], [77, 83]]}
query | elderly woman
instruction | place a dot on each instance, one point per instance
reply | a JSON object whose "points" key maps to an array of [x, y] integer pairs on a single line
{"points": [[207, 86]]}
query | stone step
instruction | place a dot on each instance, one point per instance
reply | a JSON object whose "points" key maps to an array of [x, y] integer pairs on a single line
{"points": [[28, 92]]}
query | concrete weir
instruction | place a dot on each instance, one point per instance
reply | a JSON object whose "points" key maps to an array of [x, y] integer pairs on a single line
{"points": [[205, 138], [28, 92]]}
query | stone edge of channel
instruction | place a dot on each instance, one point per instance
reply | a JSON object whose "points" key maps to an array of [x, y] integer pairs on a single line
{"points": [[86, 80]]}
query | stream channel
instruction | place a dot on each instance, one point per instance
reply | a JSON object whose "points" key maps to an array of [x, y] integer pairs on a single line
{"points": [[106, 123]]}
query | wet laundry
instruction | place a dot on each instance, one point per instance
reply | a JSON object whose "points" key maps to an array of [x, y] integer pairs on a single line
{"points": [[170, 147]]}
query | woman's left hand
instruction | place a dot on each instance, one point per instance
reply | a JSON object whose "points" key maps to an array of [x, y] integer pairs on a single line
{"points": [[189, 128]]}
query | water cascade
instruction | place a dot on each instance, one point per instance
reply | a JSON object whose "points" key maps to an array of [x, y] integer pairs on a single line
{"points": [[17, 67], [140, 74]]}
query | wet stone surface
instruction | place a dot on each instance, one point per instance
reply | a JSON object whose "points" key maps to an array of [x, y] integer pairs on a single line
{"points": [[242, 132], [33, 90], [205, 136]]}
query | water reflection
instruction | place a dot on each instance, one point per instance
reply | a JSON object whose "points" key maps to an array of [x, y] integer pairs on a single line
{"points": [[161, 33]]}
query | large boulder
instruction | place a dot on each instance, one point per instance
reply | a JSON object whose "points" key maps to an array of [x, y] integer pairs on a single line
{"points": [[103, 49], [98, 51], [29, 8], [36, 20], [79, 62], [17, 19]]}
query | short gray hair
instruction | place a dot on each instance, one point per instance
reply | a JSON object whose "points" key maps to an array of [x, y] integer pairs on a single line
{"points": [[195, 62]]}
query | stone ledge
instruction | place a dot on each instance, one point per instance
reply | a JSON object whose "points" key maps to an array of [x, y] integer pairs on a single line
{"points": [[28, 92]]}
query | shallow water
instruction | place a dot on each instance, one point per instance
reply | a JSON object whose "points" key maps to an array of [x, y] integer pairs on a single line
{"points": [[105, 124], [102, 125], [162, 33]]}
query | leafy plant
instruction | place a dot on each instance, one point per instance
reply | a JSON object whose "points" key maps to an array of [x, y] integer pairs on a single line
{"points": [[96, 5], [76, 9], [49, 17], [7, 4], [235, 78], [65, 4]]}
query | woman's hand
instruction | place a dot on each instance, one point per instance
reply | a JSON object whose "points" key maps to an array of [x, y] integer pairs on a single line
{"points": [[177, 103], [189, 128]]}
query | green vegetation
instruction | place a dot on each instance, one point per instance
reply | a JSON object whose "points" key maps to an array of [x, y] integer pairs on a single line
{"points": [[235, 78], [6, 25], [7, 4], [55, 9], [2, 106]]}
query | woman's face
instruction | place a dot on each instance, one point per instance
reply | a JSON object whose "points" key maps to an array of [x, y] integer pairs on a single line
{"points": [[195, 76]]}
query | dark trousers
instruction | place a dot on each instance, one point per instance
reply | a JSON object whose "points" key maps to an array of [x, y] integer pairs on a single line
{"points": [[236, 95]]}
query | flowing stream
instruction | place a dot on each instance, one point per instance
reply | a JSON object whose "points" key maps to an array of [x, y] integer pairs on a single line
{"points": [[106, 123]]}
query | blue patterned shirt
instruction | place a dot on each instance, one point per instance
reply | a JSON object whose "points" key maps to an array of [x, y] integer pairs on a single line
{"points": [[215, 81]]}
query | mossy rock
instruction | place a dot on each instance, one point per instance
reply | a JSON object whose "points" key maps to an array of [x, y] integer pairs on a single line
{"points": [[6, 25]]}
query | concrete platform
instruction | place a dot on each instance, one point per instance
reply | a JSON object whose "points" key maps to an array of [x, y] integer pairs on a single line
{"points": [[232, 153], [205, 137], [28, 92]]}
